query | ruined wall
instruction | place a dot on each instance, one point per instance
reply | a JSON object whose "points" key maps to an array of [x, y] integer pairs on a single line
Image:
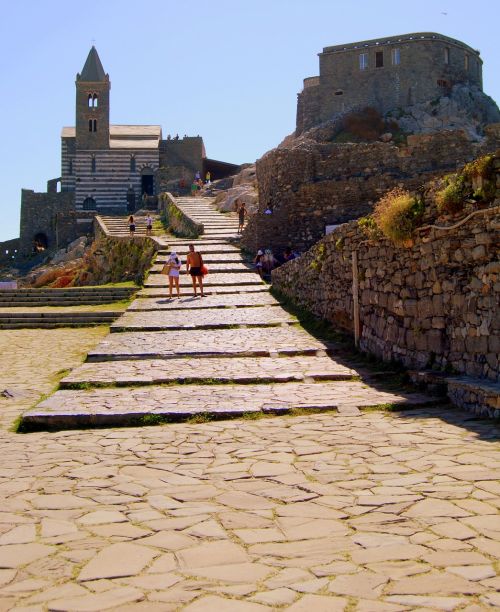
{"points": [[434, 304], [53, 216], [311, 185]]}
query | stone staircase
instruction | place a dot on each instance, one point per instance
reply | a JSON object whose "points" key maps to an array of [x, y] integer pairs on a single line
{"points": [[119, 226], [71, 296], [234, 352], [50, 320]]}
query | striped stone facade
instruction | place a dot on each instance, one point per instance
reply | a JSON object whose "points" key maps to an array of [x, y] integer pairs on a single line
{"points": [[102, 178]]}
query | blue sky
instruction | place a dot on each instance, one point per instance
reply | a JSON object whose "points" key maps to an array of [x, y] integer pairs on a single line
{"points": [[227, 70]]}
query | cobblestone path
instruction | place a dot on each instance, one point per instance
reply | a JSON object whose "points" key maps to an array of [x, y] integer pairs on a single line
{"points": [[346, 510]]}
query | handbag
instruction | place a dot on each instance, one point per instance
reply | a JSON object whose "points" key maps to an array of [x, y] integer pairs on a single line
{"points": [[166, 268]]}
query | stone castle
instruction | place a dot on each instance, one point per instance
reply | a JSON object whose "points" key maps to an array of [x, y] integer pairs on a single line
{"points": [[106, 169], [386, 73]]}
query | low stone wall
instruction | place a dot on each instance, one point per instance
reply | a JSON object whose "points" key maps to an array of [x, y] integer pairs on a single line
{"points": [[434, 304], [178, 222], [307, 185]]}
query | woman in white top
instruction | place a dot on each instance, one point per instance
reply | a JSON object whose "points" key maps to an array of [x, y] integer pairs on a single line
{"points": [[174, 265]]}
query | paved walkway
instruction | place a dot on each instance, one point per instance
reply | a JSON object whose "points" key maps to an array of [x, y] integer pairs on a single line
{"points": [[341, 511], [237, 335]]}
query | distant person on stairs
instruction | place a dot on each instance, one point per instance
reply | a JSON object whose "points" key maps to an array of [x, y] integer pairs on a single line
{"points": [[131, 225], [242, 213], [194, 263], [149, 225]]}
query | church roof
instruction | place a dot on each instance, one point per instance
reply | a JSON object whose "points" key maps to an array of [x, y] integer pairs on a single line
{"points": [[92, 70], [127, 136]]}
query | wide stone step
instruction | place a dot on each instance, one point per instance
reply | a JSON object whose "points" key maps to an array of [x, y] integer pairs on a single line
{"points": [[212, 248], [162, 291], [67, 291], [211, 280], [208, 258], [56, 316], [243, 370], [229, 300], [209, 318], [49, 320], [129, 405], [33, 303], [213, 268], [251, 342]]}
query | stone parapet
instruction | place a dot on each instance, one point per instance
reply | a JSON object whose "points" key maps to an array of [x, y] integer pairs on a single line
{"points": [[179, 222]]}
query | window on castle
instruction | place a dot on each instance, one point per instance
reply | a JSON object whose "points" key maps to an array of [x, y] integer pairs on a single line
{"points": [[95, 100], [90, 101], [466, 62], [379, 59], [94, 125], [90, 125], [396, 57], [92, 164], [132, 164], [446, 55], [363, 61]]}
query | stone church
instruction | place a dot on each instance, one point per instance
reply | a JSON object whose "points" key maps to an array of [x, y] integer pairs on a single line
{"points": [[107, 169]]}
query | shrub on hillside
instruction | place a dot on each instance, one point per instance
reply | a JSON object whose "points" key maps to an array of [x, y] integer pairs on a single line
{"points": [[451, 198], [397, 214]]}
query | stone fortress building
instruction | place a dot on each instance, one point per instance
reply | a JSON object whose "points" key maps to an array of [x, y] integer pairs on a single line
{"points": [[105, 168], [386, 73]]}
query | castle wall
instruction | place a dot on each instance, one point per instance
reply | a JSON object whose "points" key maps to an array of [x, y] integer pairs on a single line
{"points": [[187, 152], [426, 67], [314, 185], [53, 216]]}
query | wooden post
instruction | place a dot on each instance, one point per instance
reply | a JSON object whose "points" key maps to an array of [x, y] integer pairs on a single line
{"points": [[355, 297]]}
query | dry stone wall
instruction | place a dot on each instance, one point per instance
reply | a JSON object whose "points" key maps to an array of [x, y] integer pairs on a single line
{"points": [[434, 304], [308, 185]]}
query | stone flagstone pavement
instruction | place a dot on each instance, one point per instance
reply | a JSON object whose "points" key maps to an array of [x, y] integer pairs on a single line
{"points": [[341, 511]]}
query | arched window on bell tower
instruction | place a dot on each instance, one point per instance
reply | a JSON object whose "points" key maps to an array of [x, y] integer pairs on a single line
{"points": [[90, 100], [95, 100]]}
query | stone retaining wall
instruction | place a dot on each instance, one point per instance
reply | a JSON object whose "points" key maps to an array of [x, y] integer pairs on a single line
{"points": [[178, 222], [434, 304], [309, 185]]}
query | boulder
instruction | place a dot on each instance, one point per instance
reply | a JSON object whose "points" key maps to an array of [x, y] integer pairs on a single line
{"points": [[244, 193]]}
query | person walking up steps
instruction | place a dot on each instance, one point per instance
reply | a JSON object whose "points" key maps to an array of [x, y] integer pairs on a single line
{"points": [[242, 213], [194, 263]]}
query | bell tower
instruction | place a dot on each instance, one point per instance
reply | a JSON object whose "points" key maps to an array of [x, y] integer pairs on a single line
{"points": [[92, 105]]}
